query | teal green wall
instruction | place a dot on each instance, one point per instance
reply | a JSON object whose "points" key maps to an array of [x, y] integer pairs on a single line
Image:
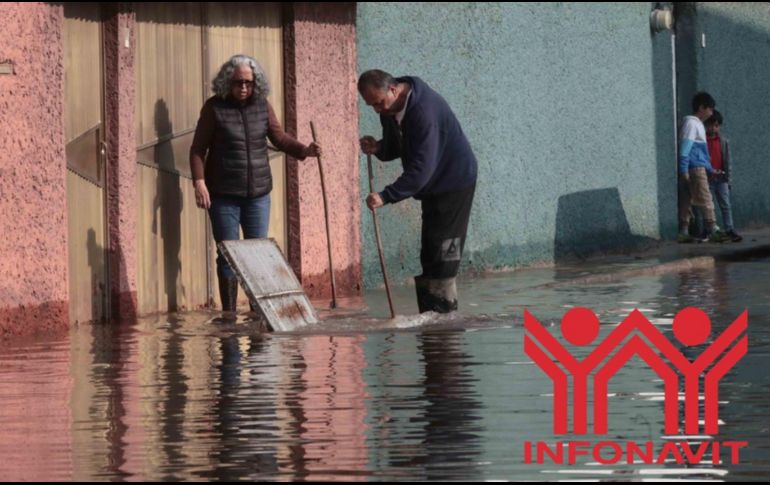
{"points": [[569, 109], [734, 68]]}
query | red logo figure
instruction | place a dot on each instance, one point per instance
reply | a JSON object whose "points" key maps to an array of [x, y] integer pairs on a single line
{"points": [[580, 327]]}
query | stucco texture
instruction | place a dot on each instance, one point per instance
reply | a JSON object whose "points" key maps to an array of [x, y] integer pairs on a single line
{"points": [[120, 112], [33, 219], [733, 68], [568, 108], [321, 76]]}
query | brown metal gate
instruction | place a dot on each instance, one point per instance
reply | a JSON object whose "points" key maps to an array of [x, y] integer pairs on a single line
{"points": [[84, 136], [180, 47]]}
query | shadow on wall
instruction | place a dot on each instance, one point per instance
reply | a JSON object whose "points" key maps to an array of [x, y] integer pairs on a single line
{"points": [[167, 207], [96, 264], [593, 222]]}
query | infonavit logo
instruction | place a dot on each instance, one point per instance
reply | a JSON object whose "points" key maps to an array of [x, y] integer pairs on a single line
{"points": [[635, 337]]}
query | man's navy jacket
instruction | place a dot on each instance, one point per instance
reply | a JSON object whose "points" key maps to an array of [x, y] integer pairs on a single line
{"points": [[434, 151]]}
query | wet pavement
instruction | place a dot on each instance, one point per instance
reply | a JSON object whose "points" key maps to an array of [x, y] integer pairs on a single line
{"points": [[186, 397]]}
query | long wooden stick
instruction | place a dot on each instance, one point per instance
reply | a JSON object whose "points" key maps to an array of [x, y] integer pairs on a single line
{"points": [[326, 217], [379, 240]]}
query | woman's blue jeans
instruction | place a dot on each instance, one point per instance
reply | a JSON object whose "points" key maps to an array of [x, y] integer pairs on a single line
{"points": [[229, 214]]}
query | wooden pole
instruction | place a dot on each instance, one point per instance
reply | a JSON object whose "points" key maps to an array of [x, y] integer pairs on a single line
{"points": [[326, 218], [379, 240]]}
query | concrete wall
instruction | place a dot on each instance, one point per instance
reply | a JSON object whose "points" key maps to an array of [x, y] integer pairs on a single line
{"points": [[569, 110], [568, 106], [120, 112], [33, 215], [733, 67], [320, 78]]}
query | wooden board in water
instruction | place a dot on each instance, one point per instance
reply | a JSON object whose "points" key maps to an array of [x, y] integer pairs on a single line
{"points": [[269, 281]]}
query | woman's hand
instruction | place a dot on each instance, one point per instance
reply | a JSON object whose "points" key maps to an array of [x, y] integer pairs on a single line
{"points": [[313, 150], [202, 198]]}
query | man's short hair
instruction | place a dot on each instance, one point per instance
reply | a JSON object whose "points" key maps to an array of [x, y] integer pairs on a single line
{"points": [[715, 118], [702, 99], [375, 78]]}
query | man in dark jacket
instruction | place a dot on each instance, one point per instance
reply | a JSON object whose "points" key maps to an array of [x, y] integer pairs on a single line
{"points": [[439, 170]]}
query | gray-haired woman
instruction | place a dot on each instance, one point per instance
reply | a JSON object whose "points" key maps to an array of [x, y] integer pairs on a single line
{"points": [[234, 181]]}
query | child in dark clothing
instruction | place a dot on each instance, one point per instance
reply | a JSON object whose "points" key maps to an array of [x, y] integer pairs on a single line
{"points": [[719, 181]]}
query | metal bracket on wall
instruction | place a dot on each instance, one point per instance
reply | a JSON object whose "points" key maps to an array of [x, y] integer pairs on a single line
{"points": [[7, 68], [84, 155]]}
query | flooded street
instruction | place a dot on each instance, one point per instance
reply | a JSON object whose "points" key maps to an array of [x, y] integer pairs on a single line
{"points": [[360, 398]]}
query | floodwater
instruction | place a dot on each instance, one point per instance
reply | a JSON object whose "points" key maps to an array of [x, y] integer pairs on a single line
{"points": [[454, 397]]}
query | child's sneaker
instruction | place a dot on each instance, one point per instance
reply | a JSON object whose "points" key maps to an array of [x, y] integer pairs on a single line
{"points": [[683, 238], [734, 236], [717, 237]]}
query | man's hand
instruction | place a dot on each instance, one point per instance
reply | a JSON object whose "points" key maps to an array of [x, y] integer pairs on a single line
{"points": [[369, 145], [202, 198], [374, 201], [685, 177]]}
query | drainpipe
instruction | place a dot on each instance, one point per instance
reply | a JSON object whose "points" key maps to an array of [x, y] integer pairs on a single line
{"points": [[674, 99], [662, 19]]}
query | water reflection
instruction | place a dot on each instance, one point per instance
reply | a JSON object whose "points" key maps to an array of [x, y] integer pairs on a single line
{"points": [[333, 395], [36, 442], [451, 420], [240, 423], [185, 398], [99, 402]]}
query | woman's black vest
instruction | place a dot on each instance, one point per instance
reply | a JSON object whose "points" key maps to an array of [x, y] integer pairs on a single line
{"points": [[237, 163]]}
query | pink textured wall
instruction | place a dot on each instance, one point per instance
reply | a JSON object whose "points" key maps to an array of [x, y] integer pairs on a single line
{"points": [[321, 75], [122, 203], [33, 208], [320, 40]]}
